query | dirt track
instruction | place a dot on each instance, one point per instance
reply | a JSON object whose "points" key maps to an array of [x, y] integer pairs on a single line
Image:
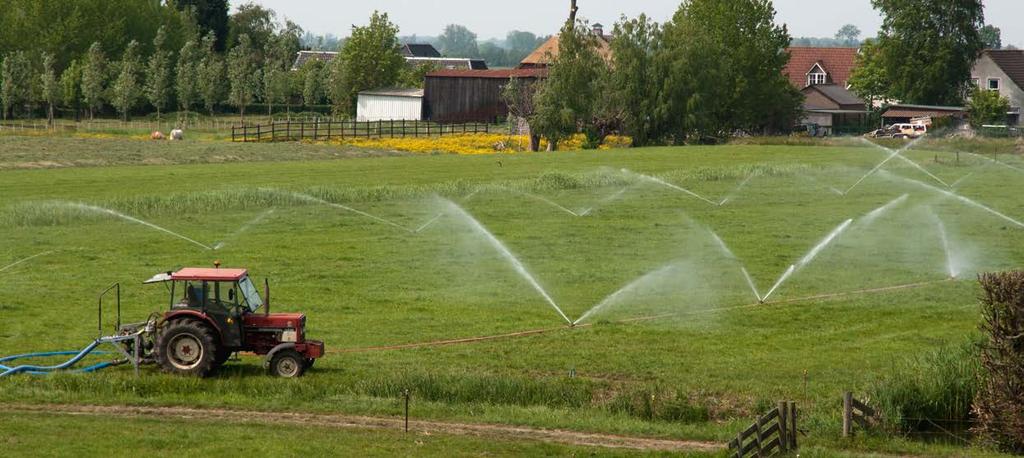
{"points": [[506, 432]]}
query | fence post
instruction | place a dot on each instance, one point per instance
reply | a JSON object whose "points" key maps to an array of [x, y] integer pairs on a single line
{"points": [[329, 122], [232, 134], [783, 419], [847, 413], [792, 426], [302, 130], [259, 133], [316, 128]]}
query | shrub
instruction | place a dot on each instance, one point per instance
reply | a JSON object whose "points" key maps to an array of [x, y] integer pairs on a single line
{"points": [[930, 391], [1000, 401]]}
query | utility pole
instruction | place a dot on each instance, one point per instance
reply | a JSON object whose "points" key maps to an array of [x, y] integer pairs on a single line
{"points": [[572, 12]]}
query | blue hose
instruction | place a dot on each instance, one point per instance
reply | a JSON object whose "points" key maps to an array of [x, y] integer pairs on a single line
{"points": [[41, 370]]}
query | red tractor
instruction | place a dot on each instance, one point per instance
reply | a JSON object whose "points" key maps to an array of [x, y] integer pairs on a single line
{"points": [[215, 313]]}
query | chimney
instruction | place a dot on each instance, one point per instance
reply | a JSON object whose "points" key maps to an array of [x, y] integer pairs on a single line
{"points": [[599, 30]]}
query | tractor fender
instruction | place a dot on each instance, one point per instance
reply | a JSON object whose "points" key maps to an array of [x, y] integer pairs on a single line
{"points": [[191, 314], [279, 347]]}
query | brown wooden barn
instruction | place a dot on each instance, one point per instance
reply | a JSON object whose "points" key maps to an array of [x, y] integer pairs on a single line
{"points": [[470, 95]]}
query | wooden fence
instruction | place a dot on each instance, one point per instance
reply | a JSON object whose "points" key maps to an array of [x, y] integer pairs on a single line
{"points": [[773, 433], [329, 130], [857, 412]]}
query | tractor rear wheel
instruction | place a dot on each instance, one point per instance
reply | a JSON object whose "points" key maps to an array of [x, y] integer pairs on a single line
{"points": [[287, 364], [187, 348]]}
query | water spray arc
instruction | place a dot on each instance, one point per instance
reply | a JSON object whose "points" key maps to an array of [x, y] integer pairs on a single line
{"points": [[670, 185], [898, 154], [23, 260], [309, 198], [732, 195], [893, 154], [962, 199], [605, 201], [437, 217], [951, 267], [107, 211], [632, 286], [245, 227], [507, 255], [878, 212], [824, 243]]}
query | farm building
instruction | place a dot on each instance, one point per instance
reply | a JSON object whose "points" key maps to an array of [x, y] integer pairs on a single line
{"points": [[834, 109], [902, 113], [470, 95], [390, 105], [542, 56]]}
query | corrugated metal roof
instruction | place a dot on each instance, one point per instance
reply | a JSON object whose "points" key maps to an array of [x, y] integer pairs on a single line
{"points": [[492, 74], [395, 92]]}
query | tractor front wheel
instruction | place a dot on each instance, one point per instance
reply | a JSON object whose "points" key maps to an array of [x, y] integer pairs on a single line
{"points": [[187, 348], [287, 364]]}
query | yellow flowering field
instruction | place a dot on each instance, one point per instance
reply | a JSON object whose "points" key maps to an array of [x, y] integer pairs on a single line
{"points": [[474, 143]]}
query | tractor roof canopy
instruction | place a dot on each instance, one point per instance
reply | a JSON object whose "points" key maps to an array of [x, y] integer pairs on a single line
{"points": [[200, 274]]}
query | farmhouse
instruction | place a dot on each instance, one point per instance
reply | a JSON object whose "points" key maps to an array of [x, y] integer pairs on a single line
{"points": [[1003, 71], [470, 95], [823, 76], [393, 104]]}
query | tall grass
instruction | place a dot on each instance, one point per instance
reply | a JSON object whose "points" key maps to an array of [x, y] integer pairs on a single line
{"points": [[931, 391]]}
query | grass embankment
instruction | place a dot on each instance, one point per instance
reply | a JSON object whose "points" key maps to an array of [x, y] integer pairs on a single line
{"points": [[713, 363]]}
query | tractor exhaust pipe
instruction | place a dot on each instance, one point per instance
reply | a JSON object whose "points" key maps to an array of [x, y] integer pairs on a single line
{"points": [[266, 296]]}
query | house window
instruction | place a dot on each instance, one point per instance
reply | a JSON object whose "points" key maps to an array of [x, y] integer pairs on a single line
{"points": [[993, 84], [816, 78], [976, 82]]}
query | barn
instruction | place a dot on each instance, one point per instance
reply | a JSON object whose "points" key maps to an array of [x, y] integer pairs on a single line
{"points": [[394, 104], [452, 96]]}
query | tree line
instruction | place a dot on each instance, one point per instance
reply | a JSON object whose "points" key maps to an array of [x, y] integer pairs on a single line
{"points": [[696, 78]]}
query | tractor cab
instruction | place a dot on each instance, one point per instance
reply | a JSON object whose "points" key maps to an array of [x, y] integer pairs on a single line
{"points": [[215, 313]]}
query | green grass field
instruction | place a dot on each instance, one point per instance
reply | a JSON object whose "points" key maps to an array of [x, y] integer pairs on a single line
{"points": [[702, 360]]}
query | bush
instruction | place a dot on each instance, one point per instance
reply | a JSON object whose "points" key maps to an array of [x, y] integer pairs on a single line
{"points": [[933, 390], [1000, 401]]}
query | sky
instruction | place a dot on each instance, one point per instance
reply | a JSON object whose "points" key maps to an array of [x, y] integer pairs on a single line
{"points": [[494, 18]]}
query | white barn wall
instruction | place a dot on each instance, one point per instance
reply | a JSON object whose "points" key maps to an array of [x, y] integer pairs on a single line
{"points": [[373, 107]]}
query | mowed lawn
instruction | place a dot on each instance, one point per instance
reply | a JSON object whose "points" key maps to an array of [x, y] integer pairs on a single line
{"points": [[588, 227]]}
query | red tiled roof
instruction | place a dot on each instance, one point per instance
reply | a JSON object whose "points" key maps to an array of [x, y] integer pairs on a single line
{"points": [[492, 74], [542, 56], [838, 62]]}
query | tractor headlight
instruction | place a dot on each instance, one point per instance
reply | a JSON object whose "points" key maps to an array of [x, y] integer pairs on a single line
{"points": [[289, 336]]}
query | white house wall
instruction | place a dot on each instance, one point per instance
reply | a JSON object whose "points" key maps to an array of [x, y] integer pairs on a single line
{"points": [[387, 108], [986, 68]]}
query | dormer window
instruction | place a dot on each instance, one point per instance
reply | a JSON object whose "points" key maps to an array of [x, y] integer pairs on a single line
{"points": [[817, 75]]}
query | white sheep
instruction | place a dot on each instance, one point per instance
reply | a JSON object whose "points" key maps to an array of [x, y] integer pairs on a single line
{"points": [[177, 134]]}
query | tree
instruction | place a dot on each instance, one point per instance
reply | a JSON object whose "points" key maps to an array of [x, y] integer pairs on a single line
{"points": [[16, 87], [987, 107], [212, 17], [458, 41], [256, 22], [125, 91], [312, 84], [94, 79], [494, 55], [243, 75], [869, 79], [849, 35], [720, 78], [519, 95], [929, 47], [49, 87], [992, 37], [211, 75], [635, 82], [158, 75], [370, 59], [564, 102], [71, 87], [187, 76]]}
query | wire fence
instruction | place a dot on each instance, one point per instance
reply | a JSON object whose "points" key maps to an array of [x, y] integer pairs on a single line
{"points": [[317, 130]]}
